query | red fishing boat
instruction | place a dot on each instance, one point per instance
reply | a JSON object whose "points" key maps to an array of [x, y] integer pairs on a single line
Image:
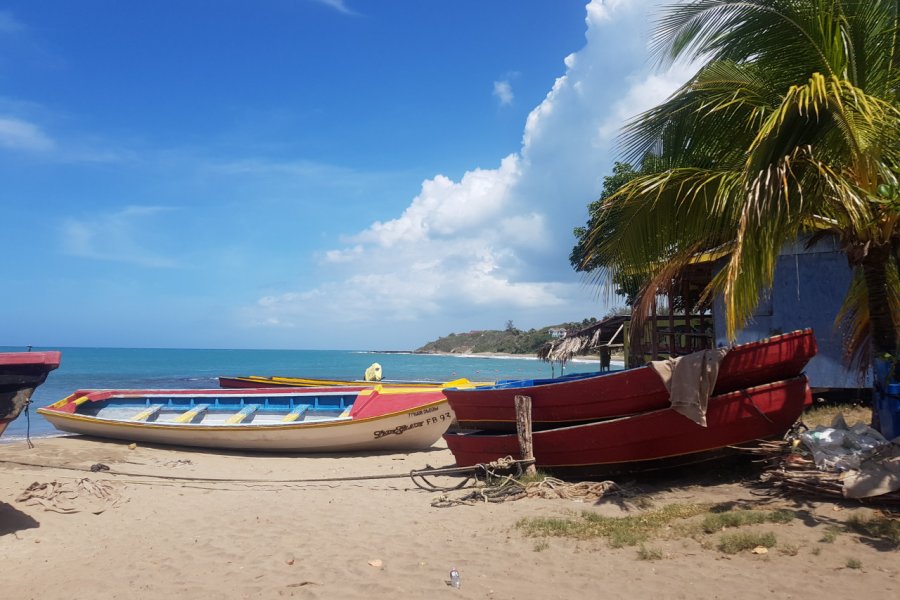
{"points": [[20, 373], [590, 397], [652, 440]]}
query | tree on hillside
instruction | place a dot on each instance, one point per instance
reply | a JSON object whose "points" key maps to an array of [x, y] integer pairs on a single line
{"points": [[790, 126]]}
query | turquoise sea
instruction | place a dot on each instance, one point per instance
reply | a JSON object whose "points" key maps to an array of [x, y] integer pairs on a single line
{"points": [[179, 369]]}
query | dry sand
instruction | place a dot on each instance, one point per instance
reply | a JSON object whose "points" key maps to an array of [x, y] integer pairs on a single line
{"points": [[190, 539]]}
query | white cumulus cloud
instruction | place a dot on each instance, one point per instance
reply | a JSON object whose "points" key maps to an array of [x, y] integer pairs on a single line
{"points": [[445, 208], [494, 245]]}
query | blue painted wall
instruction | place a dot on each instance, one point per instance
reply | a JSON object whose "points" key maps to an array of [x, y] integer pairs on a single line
{"points": [[809, 288]]}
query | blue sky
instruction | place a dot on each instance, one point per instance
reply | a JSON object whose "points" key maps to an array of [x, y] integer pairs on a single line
{"points": [[347, 174]]}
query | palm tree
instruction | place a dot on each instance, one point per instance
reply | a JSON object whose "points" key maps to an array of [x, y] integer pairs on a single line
{"points": [[790, 126]]}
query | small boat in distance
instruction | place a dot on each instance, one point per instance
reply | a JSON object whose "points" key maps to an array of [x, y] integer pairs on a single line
{"points": [[256, 381], [294, 420], [653, 440], [20, 374], [582, 398]]}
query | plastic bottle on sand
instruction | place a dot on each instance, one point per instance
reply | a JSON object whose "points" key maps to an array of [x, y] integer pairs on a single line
{"points": [[454, 578]]}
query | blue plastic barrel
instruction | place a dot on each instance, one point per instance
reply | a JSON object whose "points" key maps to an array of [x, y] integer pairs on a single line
{"points": [[886, 396]]}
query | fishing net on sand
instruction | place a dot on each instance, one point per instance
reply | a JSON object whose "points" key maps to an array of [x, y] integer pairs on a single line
{"points": [[78, 495]]}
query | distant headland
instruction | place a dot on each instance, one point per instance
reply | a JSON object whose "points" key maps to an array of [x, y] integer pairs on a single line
{"points": [[510, 340]]}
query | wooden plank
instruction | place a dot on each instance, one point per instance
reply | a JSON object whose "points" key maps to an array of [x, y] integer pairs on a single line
{"points": [[523, 429], [148, 413], [192, 414], [241, 415], [297, 414]]}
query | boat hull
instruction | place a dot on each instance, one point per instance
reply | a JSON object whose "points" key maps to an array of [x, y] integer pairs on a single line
{"points": [[565, 401], [377, 422], [651, 440], [20, 374], [256, 381]]}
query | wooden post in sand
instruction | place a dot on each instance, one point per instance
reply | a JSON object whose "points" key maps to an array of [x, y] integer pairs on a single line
{"points": [[523, 428]]}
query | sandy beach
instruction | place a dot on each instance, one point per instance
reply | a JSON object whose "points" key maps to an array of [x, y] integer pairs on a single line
{"points": [[380, 538]]}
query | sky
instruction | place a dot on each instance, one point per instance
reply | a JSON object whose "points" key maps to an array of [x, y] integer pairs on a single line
{"points": [[309, 174]]}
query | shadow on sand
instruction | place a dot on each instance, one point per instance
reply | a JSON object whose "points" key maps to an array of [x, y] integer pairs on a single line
{"points": [[13, 520]]}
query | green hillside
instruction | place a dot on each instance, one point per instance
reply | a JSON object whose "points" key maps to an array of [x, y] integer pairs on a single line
{"points": [[509, 340]]}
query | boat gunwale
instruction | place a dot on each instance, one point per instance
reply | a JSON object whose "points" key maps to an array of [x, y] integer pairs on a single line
{"points": [[46, 358]]}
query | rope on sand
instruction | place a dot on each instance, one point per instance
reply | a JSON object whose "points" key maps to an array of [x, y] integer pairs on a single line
{"points": [[502, 488], [548, 488], [416, 474], [497, 481], [487, 471]]}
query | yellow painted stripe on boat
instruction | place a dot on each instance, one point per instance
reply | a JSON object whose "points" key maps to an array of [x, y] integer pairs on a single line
{"points": [[147, 413], [346, 412], [191, 414], [240, 416], [299, 411]]}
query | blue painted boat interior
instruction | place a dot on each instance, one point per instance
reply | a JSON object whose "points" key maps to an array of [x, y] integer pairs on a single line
{"points": [[326, 403]]}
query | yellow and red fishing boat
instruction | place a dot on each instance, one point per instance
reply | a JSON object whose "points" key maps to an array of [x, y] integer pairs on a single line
{"points": [[296, 420]]}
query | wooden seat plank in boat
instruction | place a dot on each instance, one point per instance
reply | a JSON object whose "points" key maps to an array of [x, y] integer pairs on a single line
{"points": [[148, 413], [192, 414], [241, 415], [298, 414]]}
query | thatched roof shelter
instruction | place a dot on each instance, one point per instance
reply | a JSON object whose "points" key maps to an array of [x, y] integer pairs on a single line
{"points": [[597, 338]]}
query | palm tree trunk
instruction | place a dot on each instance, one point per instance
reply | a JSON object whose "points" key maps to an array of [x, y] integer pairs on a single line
{"points": [[881, 321]]}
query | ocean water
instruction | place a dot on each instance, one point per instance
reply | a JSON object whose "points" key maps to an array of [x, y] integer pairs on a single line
{"points": [[100, 368]]}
